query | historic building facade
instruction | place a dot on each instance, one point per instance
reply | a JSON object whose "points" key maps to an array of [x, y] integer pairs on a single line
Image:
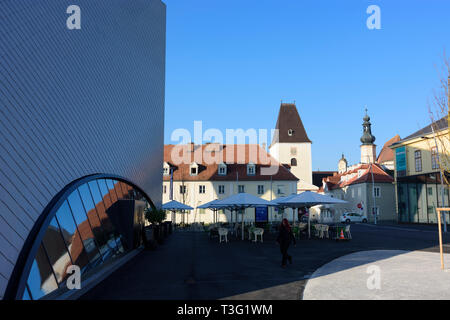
{"points": [[366, 186], [292, 147], [197, 174]]}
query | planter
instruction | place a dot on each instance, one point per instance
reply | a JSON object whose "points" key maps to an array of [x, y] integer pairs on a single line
{"points": [[166, 229], [159, 233], [149, 238]]}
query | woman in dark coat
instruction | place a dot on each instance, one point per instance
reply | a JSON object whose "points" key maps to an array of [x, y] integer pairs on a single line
{"points": [[284, 239]]}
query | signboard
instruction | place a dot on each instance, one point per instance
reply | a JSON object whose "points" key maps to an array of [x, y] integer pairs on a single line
{"points": [[400, 161], [261, 214]]}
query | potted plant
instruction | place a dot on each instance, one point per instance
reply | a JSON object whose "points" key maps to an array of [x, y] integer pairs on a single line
{"points": [[155, 217]]}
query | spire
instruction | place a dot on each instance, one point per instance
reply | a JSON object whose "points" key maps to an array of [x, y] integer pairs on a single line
{"points": [[289, 125], [367, 137]]}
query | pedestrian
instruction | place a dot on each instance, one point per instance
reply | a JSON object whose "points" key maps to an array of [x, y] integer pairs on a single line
{"points": [[284, 239]]}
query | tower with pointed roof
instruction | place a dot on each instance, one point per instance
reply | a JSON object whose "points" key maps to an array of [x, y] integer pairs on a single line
{"points": [[368, 148], [291, 145]]}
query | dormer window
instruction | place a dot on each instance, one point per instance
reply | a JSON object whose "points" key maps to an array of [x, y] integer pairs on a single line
{"points": [[194, 169], [290, 132], [251, 169], [222, 169], [166, 169]]}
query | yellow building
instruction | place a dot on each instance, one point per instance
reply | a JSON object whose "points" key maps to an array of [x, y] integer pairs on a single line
{"points": [[417, 173], [202, 173]]}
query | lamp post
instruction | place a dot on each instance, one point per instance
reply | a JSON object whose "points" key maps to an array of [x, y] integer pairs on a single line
{"points": [[373, 195]]}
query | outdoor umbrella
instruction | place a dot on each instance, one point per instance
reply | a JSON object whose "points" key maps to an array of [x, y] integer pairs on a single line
{"points": [[277, 202], [175, 206], [308, 199], [213, 205], [242, 201]]}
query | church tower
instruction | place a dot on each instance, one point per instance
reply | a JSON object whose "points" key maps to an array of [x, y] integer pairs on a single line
{"points": [[291, 145], [368, 148]]}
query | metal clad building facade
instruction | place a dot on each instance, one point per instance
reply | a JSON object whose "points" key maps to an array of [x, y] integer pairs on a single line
{"points": [[75, 103]]}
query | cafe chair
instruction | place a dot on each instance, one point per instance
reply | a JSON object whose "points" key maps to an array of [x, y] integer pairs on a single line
{"points": [[258, 232], [223, 234], [347, 232]]}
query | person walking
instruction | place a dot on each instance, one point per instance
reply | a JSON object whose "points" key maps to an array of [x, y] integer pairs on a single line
{"points": [[284, 239]]}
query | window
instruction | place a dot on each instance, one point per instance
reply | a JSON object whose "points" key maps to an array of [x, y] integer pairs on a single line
{"points": [[430, 191], [221, 189], [241, 189], [290, 132], [193, 171], [201, 189], [293, 162], [182, 189], [418, 160], [251, 169], [164, 189], [166, 171], [434, 159], [280, 189], [222, 169], [293, 151], [80, 232], [261, 189], [377, 192], [201, 211]]}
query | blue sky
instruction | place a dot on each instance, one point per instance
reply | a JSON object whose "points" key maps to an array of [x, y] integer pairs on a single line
{"points": [[229, 63]]}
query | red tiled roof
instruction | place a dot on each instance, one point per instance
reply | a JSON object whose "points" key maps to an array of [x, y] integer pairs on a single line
{"points": [[387, 154], [209, 156], [379, 176]]}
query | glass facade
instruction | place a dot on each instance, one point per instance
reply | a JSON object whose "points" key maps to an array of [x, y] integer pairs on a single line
{"points": [[85, 232], [419, 196]]}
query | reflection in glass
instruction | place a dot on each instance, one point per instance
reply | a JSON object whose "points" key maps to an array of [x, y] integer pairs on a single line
{"points": [[107, 226], [90, 227], [56, 250], [72, 237], [119, 190], [111, 190], [84, 228], [94, 220], [26, 295], [41, 280]]}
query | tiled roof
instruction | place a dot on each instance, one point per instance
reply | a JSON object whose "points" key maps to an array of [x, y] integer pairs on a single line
{"points": [[236, 157], [288, 118], [387, 154], [350, 177]]}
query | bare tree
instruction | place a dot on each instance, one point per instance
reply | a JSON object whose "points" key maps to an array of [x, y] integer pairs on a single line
{"points": [[439, 111]]}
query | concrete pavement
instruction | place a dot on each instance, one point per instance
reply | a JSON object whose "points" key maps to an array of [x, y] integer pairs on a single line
{"points": [[191, 266], [381, 275]]}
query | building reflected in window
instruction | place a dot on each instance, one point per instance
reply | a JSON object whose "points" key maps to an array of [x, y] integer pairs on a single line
{"points": [[99, 221]]}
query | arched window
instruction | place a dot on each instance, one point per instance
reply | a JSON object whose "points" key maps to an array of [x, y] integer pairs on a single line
{"points": [[293, 162], [84, 226]]}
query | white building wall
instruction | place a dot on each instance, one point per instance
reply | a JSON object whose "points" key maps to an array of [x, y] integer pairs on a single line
{"points": [[282, 152]]}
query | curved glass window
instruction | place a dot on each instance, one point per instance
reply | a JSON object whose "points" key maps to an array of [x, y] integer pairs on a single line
{"points": [[97, 222]]}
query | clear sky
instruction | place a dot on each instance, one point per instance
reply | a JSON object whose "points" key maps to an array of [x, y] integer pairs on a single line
{"points": [[230, 62]]}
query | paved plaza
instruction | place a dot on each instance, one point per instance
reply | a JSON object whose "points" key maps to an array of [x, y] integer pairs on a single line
{"points": [[190, 266]]}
